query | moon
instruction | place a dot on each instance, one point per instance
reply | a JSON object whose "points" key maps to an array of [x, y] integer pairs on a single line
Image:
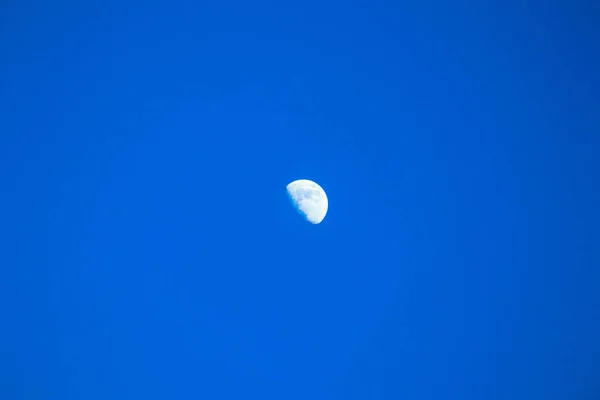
{"points": [[309, 199]]}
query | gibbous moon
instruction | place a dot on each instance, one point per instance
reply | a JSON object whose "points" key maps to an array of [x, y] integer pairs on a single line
{"points": [[309, 199]]}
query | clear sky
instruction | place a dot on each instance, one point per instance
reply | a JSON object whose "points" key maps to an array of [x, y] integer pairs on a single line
{"points": [[149, 251]]}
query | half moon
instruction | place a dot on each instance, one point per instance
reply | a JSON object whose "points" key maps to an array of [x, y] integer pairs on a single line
{"points": [[309, 199]]}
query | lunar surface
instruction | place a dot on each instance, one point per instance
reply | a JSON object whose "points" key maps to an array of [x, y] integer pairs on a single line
{"points": [[309, 199]]}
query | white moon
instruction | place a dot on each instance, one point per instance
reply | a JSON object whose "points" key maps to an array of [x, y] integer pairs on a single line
{"points": [[309, 199]]}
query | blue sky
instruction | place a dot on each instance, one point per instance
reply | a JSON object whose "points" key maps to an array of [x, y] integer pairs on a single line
{"points": [[149, 249]]}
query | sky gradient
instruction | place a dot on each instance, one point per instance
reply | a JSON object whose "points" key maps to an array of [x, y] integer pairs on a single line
{"points": [[149, 250]]}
